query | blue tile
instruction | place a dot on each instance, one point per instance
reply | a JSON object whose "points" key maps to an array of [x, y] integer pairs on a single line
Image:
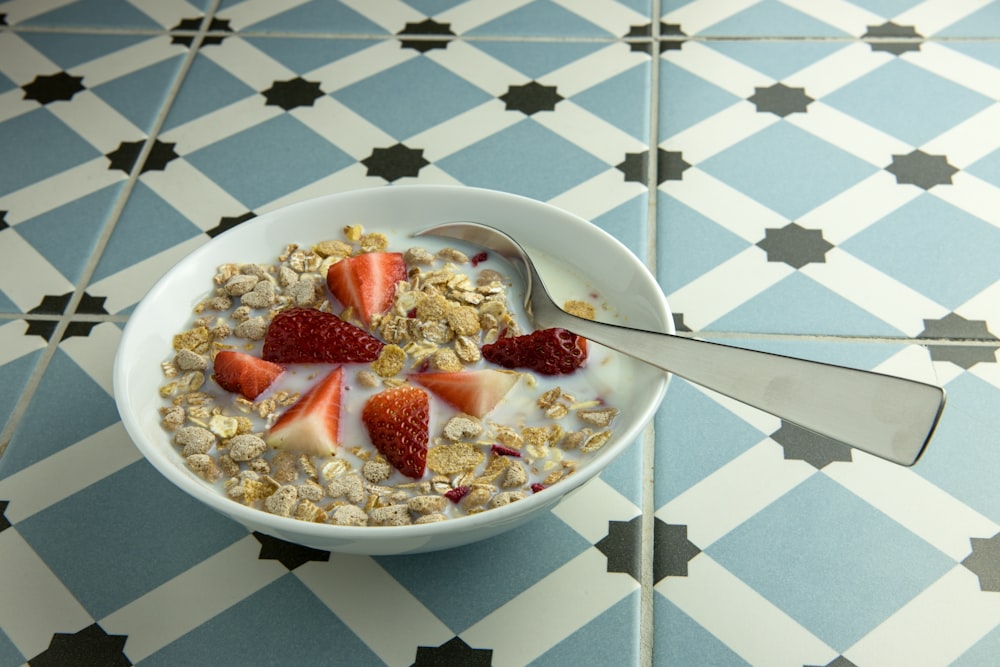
{"points": [[610, 639], [274, 158], [831, 561], [432, 7], [625, 473], [540, 18], [68, 50], [92, 13], [291, 623], [687, 99], [798, 304], [940, 250], [963, 457], [695, 437], [794, 171], [411, 97], [987, 168], [688, 244], [622, 101], [13, 378], [680, 640], [6, 84], [771, 18], [511, 570], [66, 236], [982, 23], [907, 101], [325, 16], [777, 59], [627, 223], [887, 8], [304, 55], [9, 655], [141, 95], [108, 562], [64, 389], [983, 653], [6, 305], [45, 145], [206, 88], [536, 59], [525, 159], [148, 225]]}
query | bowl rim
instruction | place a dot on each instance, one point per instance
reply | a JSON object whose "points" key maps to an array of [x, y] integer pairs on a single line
{"points": [[162, 460]]}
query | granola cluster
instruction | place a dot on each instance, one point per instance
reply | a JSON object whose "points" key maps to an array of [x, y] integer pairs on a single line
{"points": [[441, 315]]}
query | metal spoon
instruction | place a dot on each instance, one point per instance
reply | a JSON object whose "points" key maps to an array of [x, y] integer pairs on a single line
{"points": [[887, 416]]}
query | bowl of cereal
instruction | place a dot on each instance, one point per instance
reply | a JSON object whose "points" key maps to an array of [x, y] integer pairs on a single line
{"points": [[320, 375]]}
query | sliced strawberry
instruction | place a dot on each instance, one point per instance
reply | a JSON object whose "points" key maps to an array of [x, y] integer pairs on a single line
{"points": [[473, 392], [307, 335], [312, 424], [397, 422], [546, 351], [367, 282], [244, 373]]}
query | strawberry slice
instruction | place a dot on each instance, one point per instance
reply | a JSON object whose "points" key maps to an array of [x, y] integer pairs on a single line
{"points": [[243, 373], [473, 392], [312, 424], [367, 282], [307, 335], [546, 351], [397, 422]]}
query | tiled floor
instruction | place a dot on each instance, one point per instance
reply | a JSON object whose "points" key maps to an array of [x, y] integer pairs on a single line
{"points": [[820, 179]]}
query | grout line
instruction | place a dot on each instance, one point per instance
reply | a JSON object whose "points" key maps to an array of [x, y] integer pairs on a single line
{"points": [[647, 628], [63, 321]]}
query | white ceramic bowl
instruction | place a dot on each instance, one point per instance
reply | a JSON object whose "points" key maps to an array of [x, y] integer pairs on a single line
{"points": [[544, 230]]}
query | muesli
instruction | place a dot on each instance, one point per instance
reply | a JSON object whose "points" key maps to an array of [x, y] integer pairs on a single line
{"points": [[353, 384]]}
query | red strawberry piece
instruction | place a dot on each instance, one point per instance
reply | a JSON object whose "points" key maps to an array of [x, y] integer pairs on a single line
{"points": [[473, 392], [366, 282], [546, 351], [536, 487], [456, 494], [478, 257], [307, 335], [243, 373], [312, 424], [397, 423], [500, 450]]}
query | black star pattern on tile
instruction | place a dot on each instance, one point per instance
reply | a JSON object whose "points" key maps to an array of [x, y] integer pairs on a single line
{"points": [[90, 646], [125, 156], [839, 661], [920, 169], [194, 24], [795, 245], [635, 167], [4, 521], [672, 551], [3, 19], [425, 27], [679, 322], [3, 221], [78, 329], [893, 38], [817, 450], [671, 37], [293, 93], [53, 87], [52, 304], [638, 38], [91, 305], [670, 166], [621, 546], [453, 653], [531, 98], [984, 562], [228, 223], [781, 100], [289, 554], [955, 327], [395, 162], [41, 328]]}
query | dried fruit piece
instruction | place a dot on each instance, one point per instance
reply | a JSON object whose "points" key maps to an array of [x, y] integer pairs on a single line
{"points": [[500, 450], [473, 392], [546, 351], [456, 494], [366, 282], [244, 373], [397, 422], [307, 335], [312, 424]]}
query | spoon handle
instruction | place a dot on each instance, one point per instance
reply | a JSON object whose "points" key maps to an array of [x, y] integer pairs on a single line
{"points": [[887, 416]]}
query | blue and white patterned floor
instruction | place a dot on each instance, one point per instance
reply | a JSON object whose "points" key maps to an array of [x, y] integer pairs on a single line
{"points": [[819, 179]]}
